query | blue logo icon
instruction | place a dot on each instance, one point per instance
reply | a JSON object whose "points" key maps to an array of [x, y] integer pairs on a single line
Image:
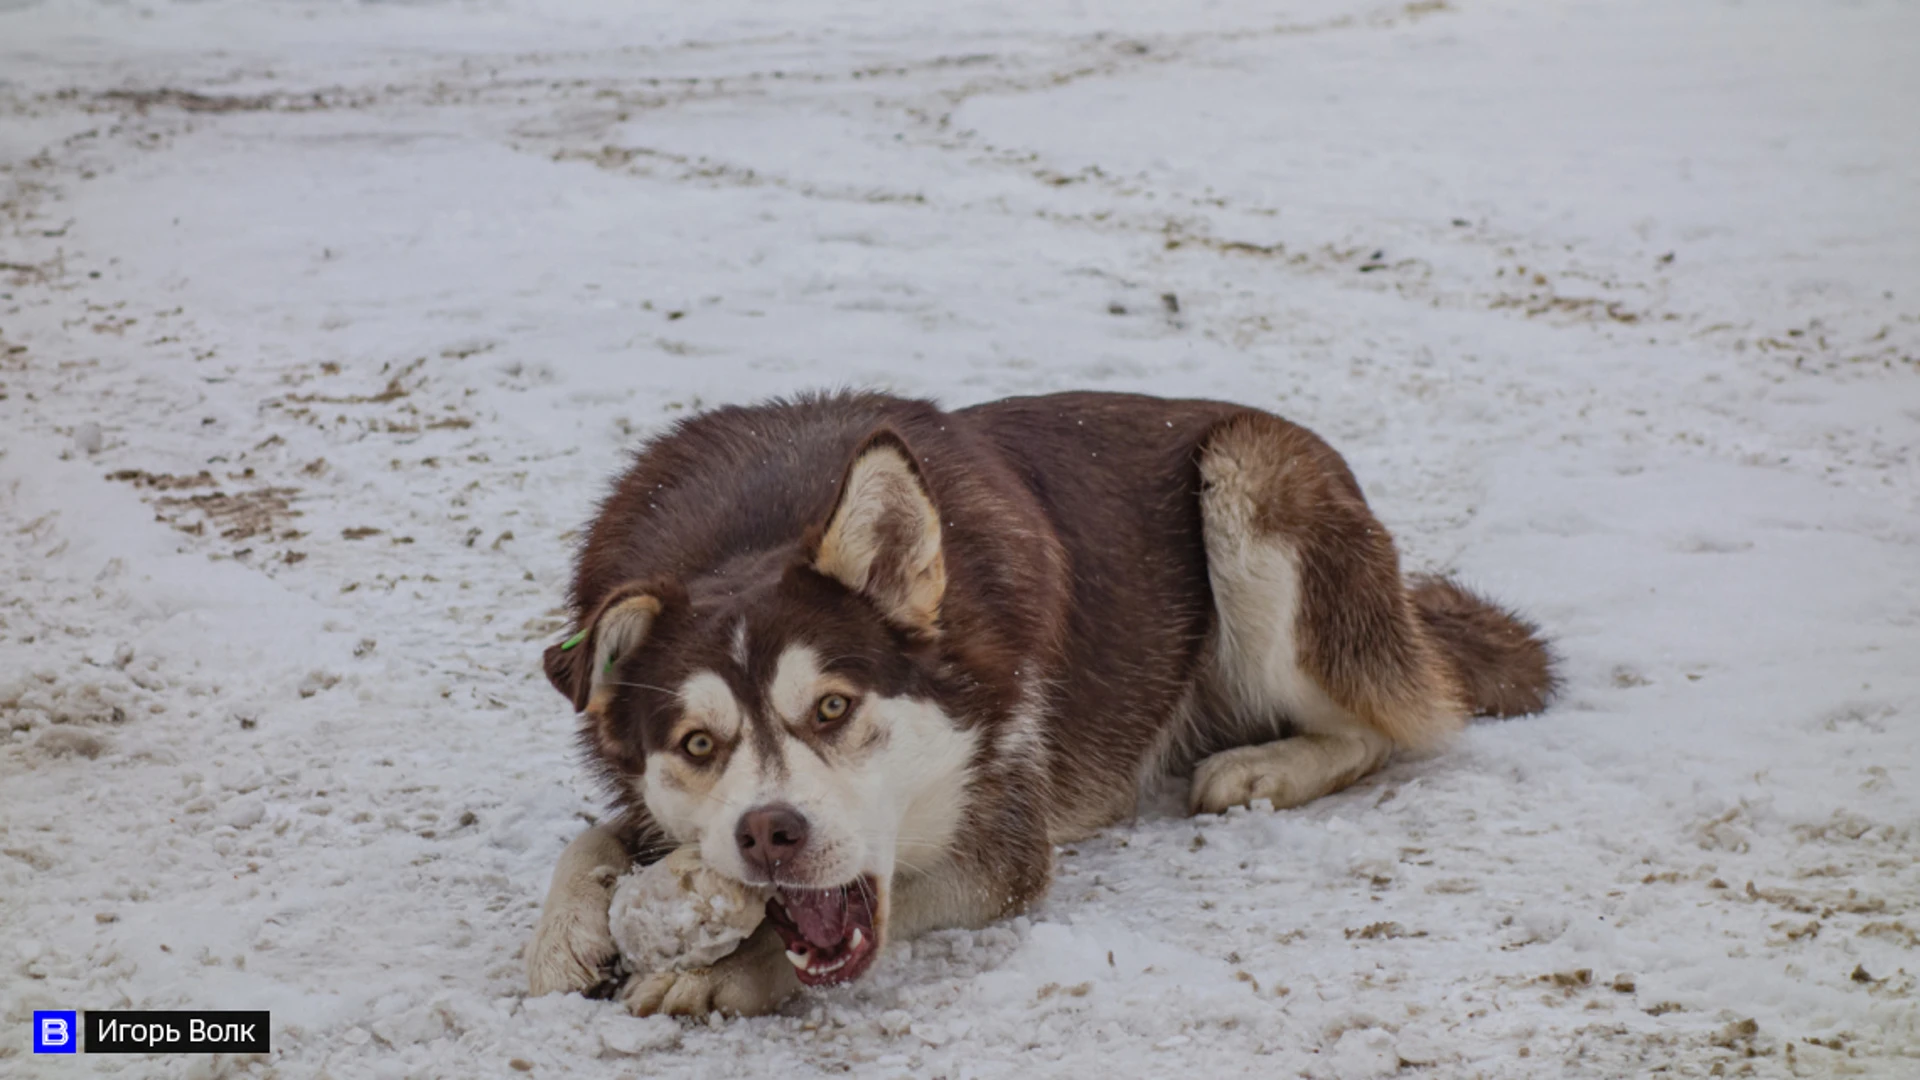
{"points": [[56, 1032]]}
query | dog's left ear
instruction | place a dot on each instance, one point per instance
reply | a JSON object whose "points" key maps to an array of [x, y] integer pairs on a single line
{"points": [[582, 666], [883, 537]]}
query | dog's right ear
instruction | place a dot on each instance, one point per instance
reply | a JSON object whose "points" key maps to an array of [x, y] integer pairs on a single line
{"points": [[582, 667]]}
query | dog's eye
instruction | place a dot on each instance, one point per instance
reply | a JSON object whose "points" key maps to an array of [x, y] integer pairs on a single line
{"points": [[832, 708], [698, 744]]}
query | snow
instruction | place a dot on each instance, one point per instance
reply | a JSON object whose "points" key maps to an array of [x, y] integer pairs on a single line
{"points": [[1615, 309]]}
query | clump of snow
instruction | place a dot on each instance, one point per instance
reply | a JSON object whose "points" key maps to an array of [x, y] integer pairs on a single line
{"points": [[678, 913], [88, 696]]}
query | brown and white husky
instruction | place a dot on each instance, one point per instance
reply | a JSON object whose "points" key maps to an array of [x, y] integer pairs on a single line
{"points": [[883, 657]]}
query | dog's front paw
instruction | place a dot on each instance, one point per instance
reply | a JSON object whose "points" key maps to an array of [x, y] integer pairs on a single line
{"points": [[750, 982], [573, 949]]}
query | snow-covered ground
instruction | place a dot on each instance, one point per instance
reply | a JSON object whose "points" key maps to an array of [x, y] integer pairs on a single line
{"points": [[323, 324]]}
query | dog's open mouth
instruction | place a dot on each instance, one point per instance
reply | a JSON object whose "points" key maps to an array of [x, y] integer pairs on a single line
{"points": [[829, 932]]}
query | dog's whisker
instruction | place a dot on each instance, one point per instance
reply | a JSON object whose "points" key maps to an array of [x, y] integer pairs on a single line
{"points": [[927, 850], [645, 686], [911, 865], [938, 843]]}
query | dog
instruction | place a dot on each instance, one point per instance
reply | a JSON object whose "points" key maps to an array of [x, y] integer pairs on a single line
{"points": [[883, 658]]}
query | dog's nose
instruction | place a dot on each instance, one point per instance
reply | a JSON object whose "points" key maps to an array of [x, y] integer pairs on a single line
{"points": [[770, 835]]}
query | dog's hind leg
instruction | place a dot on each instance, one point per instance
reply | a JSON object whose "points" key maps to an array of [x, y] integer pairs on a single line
{"points": [[1287, 772], [1316, 629]]}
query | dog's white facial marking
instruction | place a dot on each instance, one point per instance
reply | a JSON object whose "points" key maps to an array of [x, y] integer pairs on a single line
{"points": [[700, 806], [738, 651], [891, 792], [887, 789], [921, 772], [709, 704], [828, 796], [795, 685], [679, 792]]}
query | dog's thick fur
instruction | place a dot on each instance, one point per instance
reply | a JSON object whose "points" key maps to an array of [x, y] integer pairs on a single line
{"points": [[1031, 608]]}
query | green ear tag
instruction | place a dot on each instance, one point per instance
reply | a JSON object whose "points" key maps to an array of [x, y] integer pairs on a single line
{"points": [[574, 641]]}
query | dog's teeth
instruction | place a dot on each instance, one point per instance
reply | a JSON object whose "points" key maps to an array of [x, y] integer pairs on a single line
{"points": [[856, 940], [797, 959]]}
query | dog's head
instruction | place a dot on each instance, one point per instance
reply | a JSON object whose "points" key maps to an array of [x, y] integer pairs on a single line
{"points": [[781, 712]]}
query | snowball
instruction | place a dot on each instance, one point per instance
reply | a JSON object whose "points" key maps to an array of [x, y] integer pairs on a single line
{"points": [[677, 914]]}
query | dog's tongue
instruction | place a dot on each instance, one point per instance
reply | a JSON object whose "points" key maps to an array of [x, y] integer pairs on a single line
{"points": [[823, 917], [829, 933]]}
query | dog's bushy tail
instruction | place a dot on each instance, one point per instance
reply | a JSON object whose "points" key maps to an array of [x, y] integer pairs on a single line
{"points": [[1502, 663]]}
